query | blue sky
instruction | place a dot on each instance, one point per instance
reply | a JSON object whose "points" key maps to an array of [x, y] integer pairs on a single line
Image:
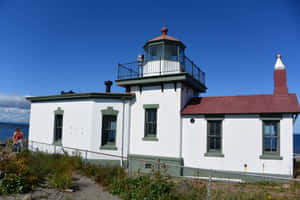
{"points": [[53, 45]]}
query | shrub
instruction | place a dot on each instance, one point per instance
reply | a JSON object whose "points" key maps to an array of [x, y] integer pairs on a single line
{"points": [[12, 184], [147, 187], [61, 181]]}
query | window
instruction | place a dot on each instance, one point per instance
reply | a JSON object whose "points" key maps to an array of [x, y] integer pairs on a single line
{"points": [[155, 52], [58, 129], [271, 139], [150, 122], [214, 137], [171, 52], [108, 130], [270, 136]]}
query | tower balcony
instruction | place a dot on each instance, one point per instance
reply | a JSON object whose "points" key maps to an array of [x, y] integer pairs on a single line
{"points": [[159, 68]]}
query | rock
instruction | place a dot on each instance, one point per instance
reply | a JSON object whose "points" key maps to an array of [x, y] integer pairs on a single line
{"points": [[27, 197], [69, 190], [12, 155]]}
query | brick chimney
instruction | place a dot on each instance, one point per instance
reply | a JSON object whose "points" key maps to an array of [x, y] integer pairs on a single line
{"points": [[280, 86], [108, 86]]}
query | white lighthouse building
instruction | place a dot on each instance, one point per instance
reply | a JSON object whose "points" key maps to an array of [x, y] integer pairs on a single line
{"points": [[163, 117]]}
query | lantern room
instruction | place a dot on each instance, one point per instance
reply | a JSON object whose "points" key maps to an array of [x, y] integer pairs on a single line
{"points": [[163, 55], [163, 58], [164, 47]]}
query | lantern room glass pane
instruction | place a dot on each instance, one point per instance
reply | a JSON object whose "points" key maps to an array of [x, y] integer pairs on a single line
{"points": [[181, 55], [155, 52], [171, 52]]}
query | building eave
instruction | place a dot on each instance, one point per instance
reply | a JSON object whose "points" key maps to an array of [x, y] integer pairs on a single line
{"points": [[91, 95], [168, 78]]}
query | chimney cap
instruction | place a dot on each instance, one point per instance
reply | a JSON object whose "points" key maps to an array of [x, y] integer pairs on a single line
{"points": [[108, 82], [279, 64]]}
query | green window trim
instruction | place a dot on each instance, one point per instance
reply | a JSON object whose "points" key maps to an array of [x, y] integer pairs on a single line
{"points": [[146, 106], [214, 152], [150, 122], [57, 139], [59, 111], [271, 155], [150, 138], [57, 143], [108, 147], [109, 111]]}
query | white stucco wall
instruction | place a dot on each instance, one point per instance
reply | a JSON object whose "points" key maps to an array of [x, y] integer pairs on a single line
{"points": [[76, 122], [82, 124], [186, 94], [168, 121], [242, 144]]}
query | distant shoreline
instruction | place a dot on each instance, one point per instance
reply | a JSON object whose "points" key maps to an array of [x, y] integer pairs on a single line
{"points": [[13, 124]]}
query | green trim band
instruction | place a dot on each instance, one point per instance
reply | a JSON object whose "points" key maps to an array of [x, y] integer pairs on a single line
{"points": [[214, 154], [139, 156], [92, 95], [241, 175], [108, 147], [158, 79], [270, 117], [104, 162], [109, 111], [214, 118], [150, 138], [270, 157], [146, 163], [150, 106]]}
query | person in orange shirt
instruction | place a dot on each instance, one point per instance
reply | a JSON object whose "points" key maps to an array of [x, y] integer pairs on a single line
{"points": [[17, 139]]}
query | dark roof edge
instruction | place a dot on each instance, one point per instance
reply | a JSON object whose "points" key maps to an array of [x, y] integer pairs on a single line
{"points": [[91, 95], [254, 113]]}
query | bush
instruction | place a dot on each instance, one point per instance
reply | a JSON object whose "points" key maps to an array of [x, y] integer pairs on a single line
{"points": [[12, 184], [61, 181]]}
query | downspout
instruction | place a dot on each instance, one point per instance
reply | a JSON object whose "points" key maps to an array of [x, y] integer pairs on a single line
{"points": [[180, 148], [295, 118], [123, 115], [129, 128]]}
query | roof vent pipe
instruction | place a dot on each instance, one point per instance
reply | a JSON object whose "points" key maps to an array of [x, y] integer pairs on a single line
{"points": [[108, 85], [140, 60]]}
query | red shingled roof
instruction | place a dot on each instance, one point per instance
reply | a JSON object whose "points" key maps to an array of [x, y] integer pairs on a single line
{"points": [[164, 36], [243, 104]]}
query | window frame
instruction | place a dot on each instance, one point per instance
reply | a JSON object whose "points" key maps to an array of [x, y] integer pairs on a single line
{"points": [[58, 112], [272, 155], [109, 112], [210, 152], [147, 136]]}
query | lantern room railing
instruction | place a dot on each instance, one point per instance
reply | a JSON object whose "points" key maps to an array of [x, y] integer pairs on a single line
{"points": [[136, 70]]}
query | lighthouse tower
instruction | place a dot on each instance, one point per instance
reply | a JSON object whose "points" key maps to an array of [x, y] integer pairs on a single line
{"points": [[163, 80]]}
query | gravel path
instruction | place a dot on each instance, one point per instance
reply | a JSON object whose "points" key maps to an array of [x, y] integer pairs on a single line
{"points": [[85, 189]]}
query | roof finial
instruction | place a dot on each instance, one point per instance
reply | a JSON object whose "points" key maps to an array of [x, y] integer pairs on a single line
{"points": [[279, 64], [164, 30]]}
